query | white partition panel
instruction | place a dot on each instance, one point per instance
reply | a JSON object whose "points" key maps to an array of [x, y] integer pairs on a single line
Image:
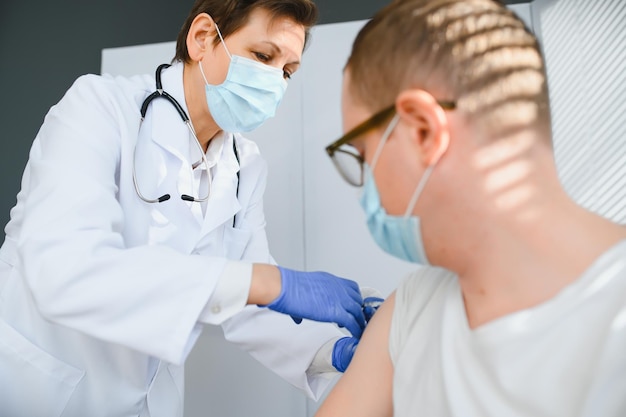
{"points": [[138, 59]]}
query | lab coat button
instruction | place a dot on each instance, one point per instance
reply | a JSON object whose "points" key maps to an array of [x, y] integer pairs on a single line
{"points": [[216, 309]]}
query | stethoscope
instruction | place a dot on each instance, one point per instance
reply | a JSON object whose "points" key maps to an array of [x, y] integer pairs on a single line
{"points": [[144, 108]]}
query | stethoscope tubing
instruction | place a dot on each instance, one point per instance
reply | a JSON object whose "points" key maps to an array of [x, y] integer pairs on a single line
{"points": [[162, 93]]}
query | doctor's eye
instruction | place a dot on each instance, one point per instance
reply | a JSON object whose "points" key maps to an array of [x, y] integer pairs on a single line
{"points": [[287, 75], [262, 57]]}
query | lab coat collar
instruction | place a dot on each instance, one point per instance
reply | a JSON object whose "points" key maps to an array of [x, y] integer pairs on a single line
{"points": [[223, 203], [216, 148]]}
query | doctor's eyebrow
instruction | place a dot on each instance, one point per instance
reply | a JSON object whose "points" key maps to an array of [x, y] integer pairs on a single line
{"points": [[279, 51]]}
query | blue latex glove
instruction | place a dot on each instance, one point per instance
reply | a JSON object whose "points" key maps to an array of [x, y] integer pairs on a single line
{"points": [[320, 296], [343, 351]]}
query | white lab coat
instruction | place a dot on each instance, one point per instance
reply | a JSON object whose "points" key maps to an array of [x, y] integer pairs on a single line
{"points": [[101, 293]]}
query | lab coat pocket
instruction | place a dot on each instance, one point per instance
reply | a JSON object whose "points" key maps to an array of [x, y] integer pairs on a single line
{"points": [[34, 383], [235, 242]]}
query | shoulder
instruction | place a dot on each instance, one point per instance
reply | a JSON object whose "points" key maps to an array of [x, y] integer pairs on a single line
{"points": [[113, 84], [419, 301], [105, 92], [419, 288], [616, 254], [94, 108]]}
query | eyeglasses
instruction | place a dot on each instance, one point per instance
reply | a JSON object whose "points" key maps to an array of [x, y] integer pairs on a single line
{"points": [[345, 157]]}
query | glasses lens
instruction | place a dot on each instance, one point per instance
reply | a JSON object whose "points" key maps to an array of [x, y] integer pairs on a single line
{"points": [[348, 163]]}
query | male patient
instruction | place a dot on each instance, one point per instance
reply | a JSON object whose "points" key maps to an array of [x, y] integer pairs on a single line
{"points": [[523, 312]]}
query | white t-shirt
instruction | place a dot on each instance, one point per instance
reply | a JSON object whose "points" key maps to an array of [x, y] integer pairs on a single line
{"points": [[565, 357]]}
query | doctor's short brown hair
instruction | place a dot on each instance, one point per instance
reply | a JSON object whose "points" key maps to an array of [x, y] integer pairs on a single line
{"points": [[232, 15], [477, 53]]}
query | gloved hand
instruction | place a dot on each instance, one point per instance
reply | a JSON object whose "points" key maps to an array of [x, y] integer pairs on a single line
{"points": [[343, 351], [320, 296]]}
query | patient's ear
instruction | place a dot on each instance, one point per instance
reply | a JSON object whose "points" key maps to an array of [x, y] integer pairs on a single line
{"points": [[200, 36], [427, 121]]}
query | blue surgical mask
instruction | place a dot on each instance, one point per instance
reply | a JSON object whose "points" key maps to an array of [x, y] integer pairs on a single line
{"points": [[249, 95], [399, 236]]}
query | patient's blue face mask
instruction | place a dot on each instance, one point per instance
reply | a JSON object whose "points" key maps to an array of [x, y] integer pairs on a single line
{"points": [[398, 236], [249, 95]]}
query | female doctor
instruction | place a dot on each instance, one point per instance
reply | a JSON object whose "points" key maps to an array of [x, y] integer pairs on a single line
{"points": [[140, 219]]}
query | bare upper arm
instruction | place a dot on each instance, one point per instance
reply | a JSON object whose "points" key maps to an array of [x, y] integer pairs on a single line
{"points": [[365, 389]]}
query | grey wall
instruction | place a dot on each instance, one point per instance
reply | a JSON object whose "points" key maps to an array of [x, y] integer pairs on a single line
{"points": [[46, 45]]}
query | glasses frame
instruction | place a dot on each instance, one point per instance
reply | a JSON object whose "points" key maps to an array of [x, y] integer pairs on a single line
{"points": [[374, 121]]}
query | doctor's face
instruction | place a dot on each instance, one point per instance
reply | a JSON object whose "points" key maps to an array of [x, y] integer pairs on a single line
{"points": [[277, 42]]}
